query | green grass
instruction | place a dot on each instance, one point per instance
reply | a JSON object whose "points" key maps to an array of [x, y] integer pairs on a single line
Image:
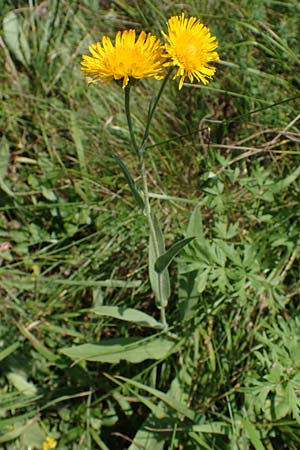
{"points": [[223, 166]]}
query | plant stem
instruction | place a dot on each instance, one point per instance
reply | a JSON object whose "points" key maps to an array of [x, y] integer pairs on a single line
{"points": [[129, 122], [147, 211], [140, 150], [151, 112]]}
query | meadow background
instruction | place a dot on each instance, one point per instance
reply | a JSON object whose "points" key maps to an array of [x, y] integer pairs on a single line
{"points": [[223, 166]]}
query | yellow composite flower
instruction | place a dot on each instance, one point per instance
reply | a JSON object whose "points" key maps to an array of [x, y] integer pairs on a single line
{"points": [[49, 443], [191, 48], [127, 58]]}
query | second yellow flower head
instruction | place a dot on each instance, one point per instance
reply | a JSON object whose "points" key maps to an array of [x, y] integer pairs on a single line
{"points": [[190, 48]]}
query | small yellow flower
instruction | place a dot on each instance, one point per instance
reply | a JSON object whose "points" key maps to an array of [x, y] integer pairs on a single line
{"points": [[127, 58], [49, 443], [191, 48]]}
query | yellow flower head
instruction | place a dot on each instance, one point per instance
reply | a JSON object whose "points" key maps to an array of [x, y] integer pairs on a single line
{"points": [[49, 443], [191, 48], [127, 58]]}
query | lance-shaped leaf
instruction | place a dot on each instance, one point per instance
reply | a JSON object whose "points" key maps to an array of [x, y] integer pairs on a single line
{"points": [[195, 227], [4, 163], [127, 314], [130, 182], [160, 282], [15, 38], [169, 400], [163, 262], [134, 350]]}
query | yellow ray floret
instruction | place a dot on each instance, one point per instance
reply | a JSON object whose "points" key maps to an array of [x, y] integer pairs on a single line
{"points": [[127, 58], [191, 48]]}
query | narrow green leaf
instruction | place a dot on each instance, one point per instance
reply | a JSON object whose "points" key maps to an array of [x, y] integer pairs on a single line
{"points": [[160, 282], [130, 181], [165, 260], [11, 422], [149, 440], [167, 399], [4, 162], [4, 157], [44, 351], [78, 141], [253, 435], [157, 410], [77, 138], [127, 314], [200, 441], [213, 428], [29, 283], [112, 351], [8, 350], [97, 439]]}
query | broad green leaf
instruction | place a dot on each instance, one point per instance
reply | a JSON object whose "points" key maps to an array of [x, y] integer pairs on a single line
{"points": [[230, 251], [293, 400], [18, 428], [188, 295], [112, 351], [195, 227], [130, 182], [20, 382], [145, 439], [48, 194], [33, 436], [280, 405], [201, 280], [127, 314], [160, 282], [165, 260], [15, 38], [286, 182]]}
